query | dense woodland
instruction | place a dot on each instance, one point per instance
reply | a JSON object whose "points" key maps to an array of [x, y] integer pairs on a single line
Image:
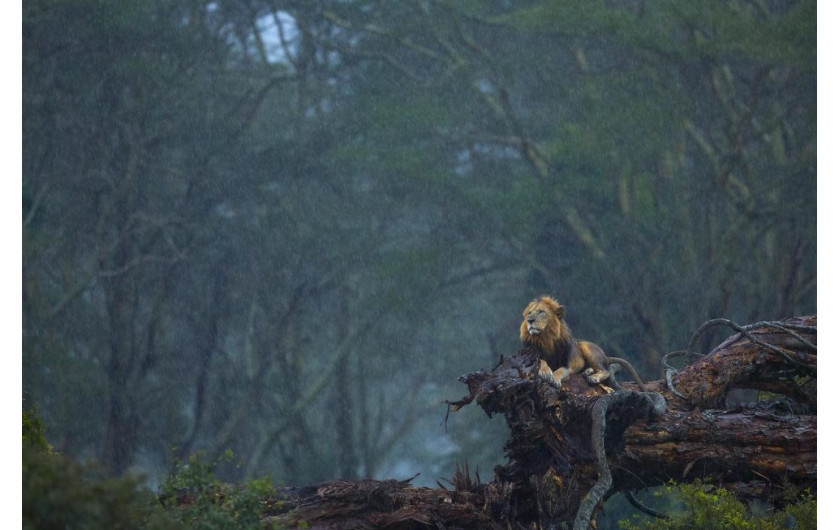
{"points": [[285, 228]]}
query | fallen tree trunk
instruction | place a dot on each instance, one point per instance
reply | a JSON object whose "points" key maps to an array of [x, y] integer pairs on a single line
{"points": [[570, 448], [754, 448]]}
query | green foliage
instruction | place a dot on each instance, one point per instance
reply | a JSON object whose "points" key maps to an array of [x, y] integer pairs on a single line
{"points": [[706, 506], [34, 432], [729, 29], [60, 493], [206, 503]]}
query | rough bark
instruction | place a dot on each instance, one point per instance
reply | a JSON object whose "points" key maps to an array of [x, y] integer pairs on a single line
{"points": [[569, 448]]}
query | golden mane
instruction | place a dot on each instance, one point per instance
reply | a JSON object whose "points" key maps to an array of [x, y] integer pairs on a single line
{"points": [[555, 338]]}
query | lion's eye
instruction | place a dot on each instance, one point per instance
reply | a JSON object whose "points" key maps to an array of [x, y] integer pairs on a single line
{"points": [[540, 312]]}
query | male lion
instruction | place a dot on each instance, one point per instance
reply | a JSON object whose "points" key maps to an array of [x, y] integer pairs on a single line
{"points": [[543, 328]]}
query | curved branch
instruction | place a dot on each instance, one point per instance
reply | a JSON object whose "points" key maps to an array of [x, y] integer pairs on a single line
{"points": [[746, 331], [590, 501], [758, 355]]}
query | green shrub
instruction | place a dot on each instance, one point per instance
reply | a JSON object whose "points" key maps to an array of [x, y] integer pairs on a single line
{"points": [[60, 493], [705, 506], [196, 497]]}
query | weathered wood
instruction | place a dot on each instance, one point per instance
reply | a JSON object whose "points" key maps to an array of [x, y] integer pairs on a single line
{"points": [[739, 362], [391, 504], [738, 445], [699, 437]]}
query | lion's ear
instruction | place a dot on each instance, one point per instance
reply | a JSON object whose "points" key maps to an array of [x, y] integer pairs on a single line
{"points": [[560, 311]]}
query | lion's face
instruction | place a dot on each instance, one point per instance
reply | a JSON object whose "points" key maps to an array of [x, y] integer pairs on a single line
{"points": [[542, 322]]}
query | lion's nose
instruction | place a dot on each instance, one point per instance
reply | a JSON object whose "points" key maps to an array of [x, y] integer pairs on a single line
{"points": [[531, 320]]}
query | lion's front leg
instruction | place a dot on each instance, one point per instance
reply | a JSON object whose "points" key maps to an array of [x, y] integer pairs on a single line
{"points": [[545, 372], [555, 378], [561, 374]]}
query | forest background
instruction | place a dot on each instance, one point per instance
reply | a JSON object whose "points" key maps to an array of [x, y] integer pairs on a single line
{"points": [[285, 228]]}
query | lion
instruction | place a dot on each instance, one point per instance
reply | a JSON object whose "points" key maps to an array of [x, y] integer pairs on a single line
{"points": [[544, 329]]}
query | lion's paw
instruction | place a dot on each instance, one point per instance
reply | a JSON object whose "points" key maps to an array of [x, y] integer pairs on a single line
{"points": [[597, 377], [548, 377]]}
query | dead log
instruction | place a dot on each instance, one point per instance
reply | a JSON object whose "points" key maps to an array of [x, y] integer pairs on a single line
{"points": [[571, 447], [754, 447], [386, 504]]}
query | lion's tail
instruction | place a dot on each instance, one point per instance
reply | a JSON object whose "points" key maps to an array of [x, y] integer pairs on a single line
{"points": [[629, 367]]}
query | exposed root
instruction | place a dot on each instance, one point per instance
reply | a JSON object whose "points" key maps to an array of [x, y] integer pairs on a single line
{"points": [[642, 508]]}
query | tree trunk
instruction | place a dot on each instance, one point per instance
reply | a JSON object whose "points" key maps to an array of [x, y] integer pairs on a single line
{"points": [[570, 448]]}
